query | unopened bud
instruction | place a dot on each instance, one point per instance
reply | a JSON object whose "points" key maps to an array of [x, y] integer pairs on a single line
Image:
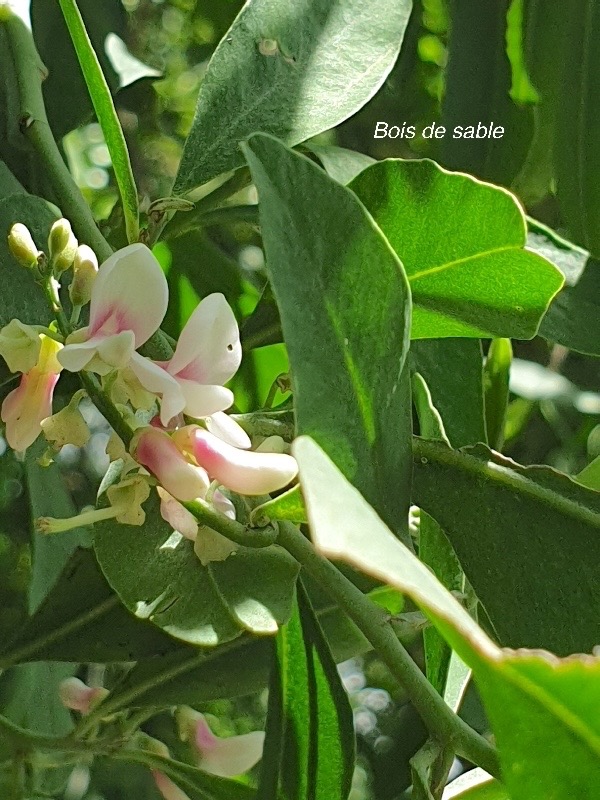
{"points": [[22, 246], [62, 245], [85, 269]]}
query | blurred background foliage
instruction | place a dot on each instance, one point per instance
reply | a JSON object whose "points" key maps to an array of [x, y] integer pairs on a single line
{"points": [[554, 410]]}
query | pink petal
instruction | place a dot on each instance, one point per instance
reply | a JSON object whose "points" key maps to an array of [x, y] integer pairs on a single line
{"points": [[168, 789], [156, 450], [77, 695], [157, 380], [227, 429], [26, 406], [129, 293], [208, 350], [242, 471]]}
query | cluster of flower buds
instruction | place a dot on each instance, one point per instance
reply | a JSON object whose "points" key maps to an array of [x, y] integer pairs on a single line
{"points": [[190, 445]]}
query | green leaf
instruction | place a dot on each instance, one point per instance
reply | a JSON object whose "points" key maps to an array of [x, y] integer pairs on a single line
{"points": [[21, 297], [475, 785], [434, 548], [461, 243], [67, 100], [339, 163], [573, 319], [453, 371], [527, 539], [48, 497], [496, 379], [346, 333], [542, 709], [288, 505], [484, 41], [309, 746], [577, 145], [196, 784], [158, 577], [81, 619], [290, 70], [107, 115]]}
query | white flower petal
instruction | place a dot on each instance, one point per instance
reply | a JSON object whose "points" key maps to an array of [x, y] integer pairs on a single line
{"points": [[158, 381], [233, 756], [201, 400], [242, 471], [227, 429], [129, 293], [178, 517], [209, 349]]}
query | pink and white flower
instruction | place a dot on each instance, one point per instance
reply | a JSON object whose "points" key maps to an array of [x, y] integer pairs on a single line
{"points": [[31, 402], [207, 355], [78, 696], [128, 303], [243, 471]]}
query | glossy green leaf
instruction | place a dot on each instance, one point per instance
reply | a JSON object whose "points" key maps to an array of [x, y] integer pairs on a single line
{"points": [[21, 297], [309, 746], [81, 619], [483, 43], [347, 336], [475, 785], [461, 243], [577, 145], [527, 539], [573, 319], [159, 578], [106, 113], [453, 371], [290, 70], [288, 505], [542, 709]]}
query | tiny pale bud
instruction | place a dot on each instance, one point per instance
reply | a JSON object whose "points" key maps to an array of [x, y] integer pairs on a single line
{"points": [[85, 270], [78, 696], [62, 245], [19, 346], [22, 246], [67, 426]]}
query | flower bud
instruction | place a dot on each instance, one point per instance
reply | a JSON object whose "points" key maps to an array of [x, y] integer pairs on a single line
{"points": [[19, 346], [156, 451], [22, 246], [62, 245], [78, 696], [242, 471], [85, 269]]}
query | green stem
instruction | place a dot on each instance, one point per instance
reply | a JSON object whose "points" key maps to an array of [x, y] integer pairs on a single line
{"points": [[34, 124], [24, 740], [441, 722], [241, 534], [107, 115]]}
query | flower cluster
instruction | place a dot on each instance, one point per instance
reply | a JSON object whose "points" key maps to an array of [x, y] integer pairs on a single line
{"points": [[187, 442]]}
